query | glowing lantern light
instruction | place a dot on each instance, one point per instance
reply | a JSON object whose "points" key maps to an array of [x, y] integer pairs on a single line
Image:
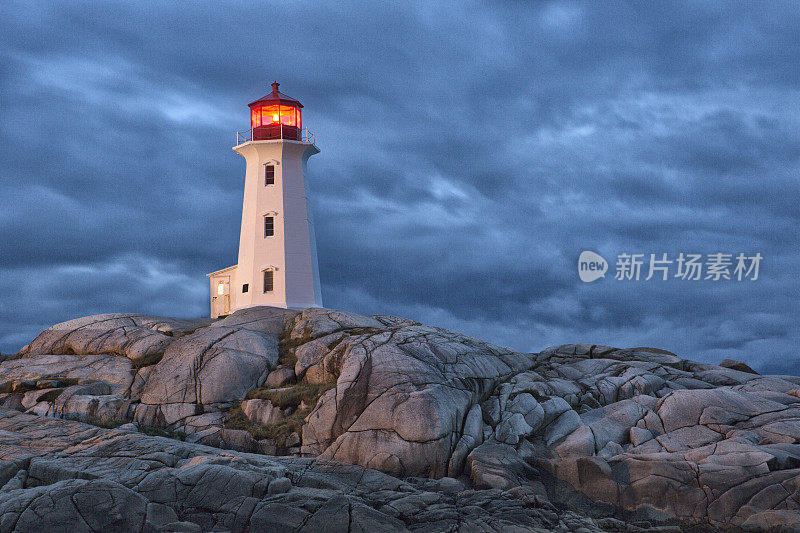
{"points": [[276, 116]]}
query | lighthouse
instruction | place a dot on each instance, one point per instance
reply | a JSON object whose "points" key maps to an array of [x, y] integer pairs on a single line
{"points": [[277, 249]]}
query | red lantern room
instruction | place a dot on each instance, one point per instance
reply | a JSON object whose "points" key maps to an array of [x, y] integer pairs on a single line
{"points": [[276, 116]]}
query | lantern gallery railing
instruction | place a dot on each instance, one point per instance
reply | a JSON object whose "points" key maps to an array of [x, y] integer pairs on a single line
{"points": [[243, 136], [305, 135]]}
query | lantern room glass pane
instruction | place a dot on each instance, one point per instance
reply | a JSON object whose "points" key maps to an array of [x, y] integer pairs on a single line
{"points": [[255, 117], [299, 118], [270, 114], [288, 115]]}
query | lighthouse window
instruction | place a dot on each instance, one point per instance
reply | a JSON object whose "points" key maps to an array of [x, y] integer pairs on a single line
{"points": [[268, 280], [269, 226], [245, 287], [270, 114], [269, 173], [288, 116]]}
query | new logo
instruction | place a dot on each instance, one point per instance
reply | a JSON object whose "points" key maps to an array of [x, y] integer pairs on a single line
{"points": [[591, 266]]}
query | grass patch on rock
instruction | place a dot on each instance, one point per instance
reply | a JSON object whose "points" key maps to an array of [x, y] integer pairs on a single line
{"points": [[163, 432], [110, 423], [287, 345], [291, 396], [62, 382], [285, 398], [277, 432]]}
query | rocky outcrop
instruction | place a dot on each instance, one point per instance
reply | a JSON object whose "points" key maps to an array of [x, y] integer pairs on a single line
{"points": [[83, 478], [641, 433], [646, 430], [162, 372], [140, 338], [402, 391]]}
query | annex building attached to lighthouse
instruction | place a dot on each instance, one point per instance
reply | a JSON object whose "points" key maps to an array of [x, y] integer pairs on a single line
{"points": [[277, 249]]}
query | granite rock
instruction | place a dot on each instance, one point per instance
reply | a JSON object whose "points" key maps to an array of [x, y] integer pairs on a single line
{"points": [[639, 432]]}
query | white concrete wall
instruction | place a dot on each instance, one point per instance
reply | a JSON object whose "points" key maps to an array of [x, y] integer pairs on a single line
{"points": [[291, 252]]}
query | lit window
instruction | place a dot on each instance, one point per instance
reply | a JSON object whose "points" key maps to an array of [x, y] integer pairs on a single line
{"points": [[245, 287], [270, 114], [269, 175], [268, 280], [269, 226], [288, 116]]}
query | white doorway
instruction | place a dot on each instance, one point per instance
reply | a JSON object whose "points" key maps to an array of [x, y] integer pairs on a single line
{"points": [[221, 296]]}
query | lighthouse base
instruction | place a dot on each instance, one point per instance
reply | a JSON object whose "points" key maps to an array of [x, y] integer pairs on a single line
{"points": [[231, 290]]}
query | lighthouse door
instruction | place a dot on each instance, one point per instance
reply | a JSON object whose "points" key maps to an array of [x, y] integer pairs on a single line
{"points": [[221, 297]]}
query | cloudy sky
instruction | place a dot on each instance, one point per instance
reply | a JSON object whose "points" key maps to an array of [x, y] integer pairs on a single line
{"points": [[470, 152]]}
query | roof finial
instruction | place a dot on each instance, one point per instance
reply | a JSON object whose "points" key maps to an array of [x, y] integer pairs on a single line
{"points": [[275, 86]]}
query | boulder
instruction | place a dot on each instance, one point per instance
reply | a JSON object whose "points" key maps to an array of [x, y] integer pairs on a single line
{"points": [[471, 436], [725, 406], [264, 319], [141, 338], [114, 371], [526, 405], [499, 466], [512, 428], [737, 365], [280, 485], [74, 504], [261, 412], [213, 365], [280, 377], [392, 395]]}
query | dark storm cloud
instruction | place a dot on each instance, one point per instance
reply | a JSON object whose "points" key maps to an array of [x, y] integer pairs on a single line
{"points": [[470, 152]]}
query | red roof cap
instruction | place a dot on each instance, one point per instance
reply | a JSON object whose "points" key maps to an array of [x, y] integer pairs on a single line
{"points": [[276, 97]]}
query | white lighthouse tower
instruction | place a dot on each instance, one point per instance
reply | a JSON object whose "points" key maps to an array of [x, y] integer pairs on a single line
{"points": [[277, 249]]}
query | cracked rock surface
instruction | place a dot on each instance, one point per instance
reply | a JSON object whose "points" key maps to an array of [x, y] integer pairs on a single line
{"points": [[78, 477], [473, 435]]}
